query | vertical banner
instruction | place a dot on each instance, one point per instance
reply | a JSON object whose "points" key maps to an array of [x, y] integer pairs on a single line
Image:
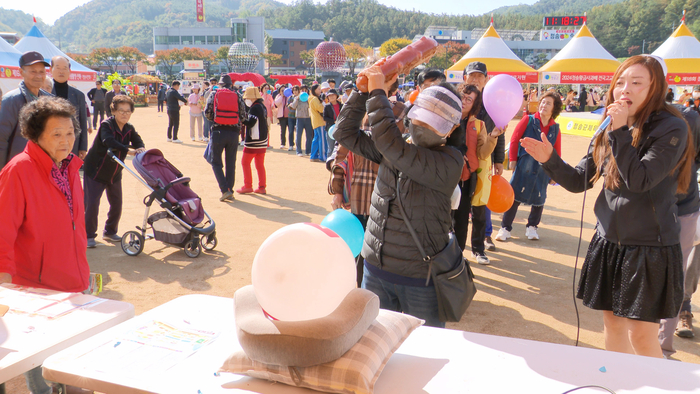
{"points": [[200, 10]]}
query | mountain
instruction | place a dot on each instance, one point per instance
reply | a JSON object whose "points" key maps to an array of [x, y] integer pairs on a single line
{"points": [[554, 7], [16, 21]]}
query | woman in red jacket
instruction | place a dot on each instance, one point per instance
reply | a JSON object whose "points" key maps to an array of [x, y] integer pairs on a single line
{"points": [[42, 237]]}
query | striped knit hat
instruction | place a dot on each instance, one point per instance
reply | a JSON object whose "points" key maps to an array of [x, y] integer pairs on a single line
{"points": [[439, 108]]}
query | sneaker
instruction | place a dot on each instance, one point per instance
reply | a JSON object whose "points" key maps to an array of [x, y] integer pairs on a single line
{"points": [[300, 154], [206, 139], [91, 243], [291, 148], [192, 138], [685, 325], [201, 140], [226, 196], [531, 233], [112, 237], [177, 141], [244, 190], [282, 147], [315, 160], [502, 235], [260, 190], [170, 140], [488, 242], [481, 258]]}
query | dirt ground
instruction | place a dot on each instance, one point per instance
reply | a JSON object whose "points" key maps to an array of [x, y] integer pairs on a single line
{"points": [[526, 292]]}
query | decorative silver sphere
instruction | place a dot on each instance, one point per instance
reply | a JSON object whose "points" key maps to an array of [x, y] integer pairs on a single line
{"points": [[330, 55], [244, 56]]}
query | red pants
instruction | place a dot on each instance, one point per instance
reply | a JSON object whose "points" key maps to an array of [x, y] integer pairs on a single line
{"points": [[259, 167]]}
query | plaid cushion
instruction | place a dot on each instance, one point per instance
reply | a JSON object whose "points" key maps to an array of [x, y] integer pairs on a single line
{"points": [[355, 372]]}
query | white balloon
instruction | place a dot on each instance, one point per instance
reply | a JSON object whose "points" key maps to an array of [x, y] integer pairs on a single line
{"points": [[302, 271]]}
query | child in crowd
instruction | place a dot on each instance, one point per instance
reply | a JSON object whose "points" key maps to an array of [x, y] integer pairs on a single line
{"points": [[255, 142]]}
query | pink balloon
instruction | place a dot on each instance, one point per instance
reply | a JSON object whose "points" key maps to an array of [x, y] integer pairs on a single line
{"points": [[503, 97]]}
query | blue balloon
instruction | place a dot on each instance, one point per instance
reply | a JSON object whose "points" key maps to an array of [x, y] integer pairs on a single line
{"points": [[348, 227], [288, 92], [331, 131], [304, 97]]}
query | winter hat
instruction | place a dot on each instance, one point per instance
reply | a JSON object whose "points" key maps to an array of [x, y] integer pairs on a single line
{"points": [[439, 108]]}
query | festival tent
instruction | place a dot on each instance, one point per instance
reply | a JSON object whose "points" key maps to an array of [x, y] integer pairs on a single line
{"points": [[9, 66], [681, 52], [81, 77], [582, 61], [499, 59]]}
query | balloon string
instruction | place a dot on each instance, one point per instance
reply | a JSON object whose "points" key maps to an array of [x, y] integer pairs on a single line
{"points": [[269, 316]]}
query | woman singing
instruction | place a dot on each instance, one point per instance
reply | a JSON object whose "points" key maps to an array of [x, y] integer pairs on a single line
{"points": [[633, 270]]}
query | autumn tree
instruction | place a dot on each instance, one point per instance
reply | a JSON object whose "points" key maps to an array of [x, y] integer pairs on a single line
{"points": [[448, 54], [355, 54], [85, 60], [221, 55], [393, 45], [131, 57], [272, 59], [110, 57], [168, 58]]}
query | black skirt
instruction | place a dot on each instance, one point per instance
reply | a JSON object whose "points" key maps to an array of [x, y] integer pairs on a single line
{"points": [[638, 282]]}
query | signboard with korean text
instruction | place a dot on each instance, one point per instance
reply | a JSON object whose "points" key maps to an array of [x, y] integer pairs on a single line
{"points": [[194, 64], [200, 10]]}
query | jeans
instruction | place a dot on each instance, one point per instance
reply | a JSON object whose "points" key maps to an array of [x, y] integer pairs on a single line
{"points": [[36, 383], [319, 145], [196, 119], [173, 124], [304, 124], [667, 327], [283, 131], [224, 141], [93, 194], [420, 302], [460, 216], [532, 221], [98, 108], [161, 103], [478, 229], [291, 124], [207, 127], [489, 224], [259, 167]]}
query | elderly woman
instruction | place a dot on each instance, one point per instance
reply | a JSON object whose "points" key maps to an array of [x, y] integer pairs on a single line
{"points": [[104, 174], [42, 236], [529, 180]]}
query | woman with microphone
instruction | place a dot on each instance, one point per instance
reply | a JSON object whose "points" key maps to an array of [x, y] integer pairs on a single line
{"points": [[633, 269]]}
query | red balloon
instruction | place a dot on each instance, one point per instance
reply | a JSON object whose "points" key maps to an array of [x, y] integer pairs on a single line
{"points": [[502, 196]]}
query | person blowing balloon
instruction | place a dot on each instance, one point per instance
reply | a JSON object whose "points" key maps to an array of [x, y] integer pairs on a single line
{"points": [[633, 269]]}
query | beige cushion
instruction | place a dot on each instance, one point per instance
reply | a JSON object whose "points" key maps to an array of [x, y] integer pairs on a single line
{"points": [[302, 343], [355, 372]]}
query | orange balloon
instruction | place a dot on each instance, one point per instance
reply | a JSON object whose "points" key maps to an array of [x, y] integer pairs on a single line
{"points": [[412, 97], [502, 196]]}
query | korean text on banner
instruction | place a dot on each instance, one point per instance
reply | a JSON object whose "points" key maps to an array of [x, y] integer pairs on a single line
{"points": [[200, 10]]}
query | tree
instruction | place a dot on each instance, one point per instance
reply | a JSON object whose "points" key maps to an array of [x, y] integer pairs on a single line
{"points": [[448, 54], [393, 45], [110, 57], [272, 59], [168, 59], [308, 57], [221, 56], [355, 54], [131, 57], [85, 60]]}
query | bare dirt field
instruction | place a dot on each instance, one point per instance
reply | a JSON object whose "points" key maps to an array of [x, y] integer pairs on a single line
{"points": [[526, 292]]}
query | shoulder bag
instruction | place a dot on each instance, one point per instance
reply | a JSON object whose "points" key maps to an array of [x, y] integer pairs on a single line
{"points": [[450, 271]]}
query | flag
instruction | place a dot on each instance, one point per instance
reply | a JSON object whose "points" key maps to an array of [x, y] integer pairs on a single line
{"points": [[200, 10], [491, 19], [34, 17], [683, 18]]}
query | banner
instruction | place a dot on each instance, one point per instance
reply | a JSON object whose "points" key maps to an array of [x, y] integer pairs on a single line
{"points": [[522, 77], [683, 79], [570, 124], [561, 34], [553, 78], [200, 10], [586, 78]]}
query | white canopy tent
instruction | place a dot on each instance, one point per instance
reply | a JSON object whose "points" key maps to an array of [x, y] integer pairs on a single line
{"points": [[9, 66]]}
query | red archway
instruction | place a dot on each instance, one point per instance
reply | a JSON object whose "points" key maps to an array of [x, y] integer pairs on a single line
{"points": [[295, 80], [256, 79]]}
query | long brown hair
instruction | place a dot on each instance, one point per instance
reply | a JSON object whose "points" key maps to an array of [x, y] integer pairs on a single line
{"points": [[655, 101]]}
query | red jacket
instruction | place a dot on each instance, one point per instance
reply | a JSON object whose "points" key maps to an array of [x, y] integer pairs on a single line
{"points": [[40, 244]]}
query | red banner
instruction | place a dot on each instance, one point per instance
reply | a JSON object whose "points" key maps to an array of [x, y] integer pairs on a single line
{"points": [[522, 77], [586, 78], [683, 78], [200, 10], [77, 76]]}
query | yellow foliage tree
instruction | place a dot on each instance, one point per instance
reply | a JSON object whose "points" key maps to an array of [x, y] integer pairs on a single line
{"points": [[393, 45], [355, 53]]}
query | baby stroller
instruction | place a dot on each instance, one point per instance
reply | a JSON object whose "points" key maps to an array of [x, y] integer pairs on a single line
{"points": [[181, 222]]}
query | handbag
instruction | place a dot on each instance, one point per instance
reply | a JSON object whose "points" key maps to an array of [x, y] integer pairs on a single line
{"points": [[450, 271], [209, 152]]}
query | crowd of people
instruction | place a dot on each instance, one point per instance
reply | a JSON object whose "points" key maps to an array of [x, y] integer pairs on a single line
{"points": [[407, 169]]}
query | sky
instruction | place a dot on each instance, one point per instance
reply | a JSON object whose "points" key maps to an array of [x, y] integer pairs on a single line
{"points": [[50, 10]]}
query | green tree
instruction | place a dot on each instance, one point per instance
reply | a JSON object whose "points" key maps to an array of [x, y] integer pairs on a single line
{"points": [[393, 45], [221, 55], [355, 54], [308, 57]]}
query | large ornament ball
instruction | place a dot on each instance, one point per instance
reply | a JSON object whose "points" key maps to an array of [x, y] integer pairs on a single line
{"points": [[330, 55], [302, 271]]}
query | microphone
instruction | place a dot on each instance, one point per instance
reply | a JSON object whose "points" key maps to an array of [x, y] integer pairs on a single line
{"points": [[604, 125]]}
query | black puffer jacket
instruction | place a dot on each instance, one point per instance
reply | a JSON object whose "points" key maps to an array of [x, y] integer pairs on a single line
{"points": [[98, 165], [428, 178], [689, 202], [642, 211]]}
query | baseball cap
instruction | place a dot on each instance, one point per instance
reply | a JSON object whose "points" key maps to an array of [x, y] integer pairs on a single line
{"points": [[476, 67], [439, 108], [32, 57]]}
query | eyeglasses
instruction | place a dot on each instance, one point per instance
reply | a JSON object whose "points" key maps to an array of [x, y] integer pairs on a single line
{"points": [[122, 112]]}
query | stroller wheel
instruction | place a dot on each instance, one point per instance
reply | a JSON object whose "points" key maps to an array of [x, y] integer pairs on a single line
{"points": [[193, 248], [209, 242], [132, 243]]}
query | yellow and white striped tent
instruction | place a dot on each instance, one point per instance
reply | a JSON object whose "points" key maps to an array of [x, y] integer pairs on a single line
{"points": [[681, 52], [582, 61], [499, 59]]}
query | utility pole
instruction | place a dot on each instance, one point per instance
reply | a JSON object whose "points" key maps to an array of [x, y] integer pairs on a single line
{"points": [[643, 45]]}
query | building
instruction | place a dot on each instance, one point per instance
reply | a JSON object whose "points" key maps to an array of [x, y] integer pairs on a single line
{"points": [[534, 47], [242, 29], [11, 38], [289, 44]]}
